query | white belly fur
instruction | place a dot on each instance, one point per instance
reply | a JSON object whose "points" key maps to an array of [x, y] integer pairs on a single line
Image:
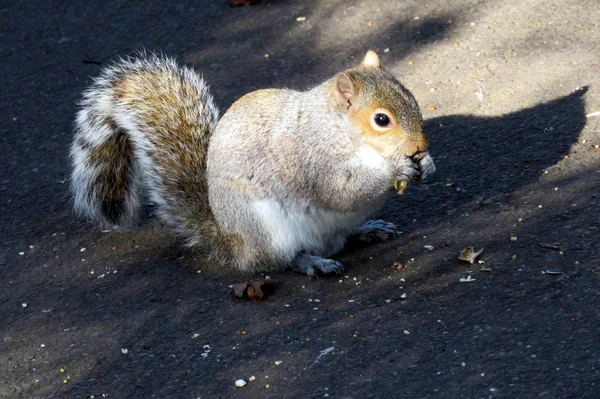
{"points": [[303, 227]]}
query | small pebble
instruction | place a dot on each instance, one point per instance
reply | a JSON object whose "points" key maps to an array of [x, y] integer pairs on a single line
{"points": [[300, 19], [278, 362], [406, 332], [252, 379], [513, 238], [240, 383], [124, 351]]}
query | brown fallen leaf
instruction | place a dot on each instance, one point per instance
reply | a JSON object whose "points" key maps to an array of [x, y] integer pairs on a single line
{"points": [[469, 255], [255, 288], [234, 3], [398, 265]]}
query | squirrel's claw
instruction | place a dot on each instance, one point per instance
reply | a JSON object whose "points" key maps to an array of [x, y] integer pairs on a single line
{"points": [[309, 264], [376, 230], [410, 174], [426, 165]]}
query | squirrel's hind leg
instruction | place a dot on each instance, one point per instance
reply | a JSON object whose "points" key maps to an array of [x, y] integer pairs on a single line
{"points": [[375, 230], [309, 264]]}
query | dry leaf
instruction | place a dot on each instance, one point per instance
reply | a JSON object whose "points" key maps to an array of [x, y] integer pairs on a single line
{"points": [[242, 2], [469, 255], [255, 288]]}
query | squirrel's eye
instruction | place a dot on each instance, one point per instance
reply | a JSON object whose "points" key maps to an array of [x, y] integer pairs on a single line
{"points": [[382, 120]]}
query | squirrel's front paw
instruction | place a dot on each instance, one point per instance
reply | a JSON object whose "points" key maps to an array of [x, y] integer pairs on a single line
{"points": [[416, 168], [425, 164], [309, 264], [410, 174], [376, 230]]}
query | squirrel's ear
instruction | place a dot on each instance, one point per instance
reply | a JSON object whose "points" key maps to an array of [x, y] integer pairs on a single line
{"points": [[345, 89], [371, 60]]}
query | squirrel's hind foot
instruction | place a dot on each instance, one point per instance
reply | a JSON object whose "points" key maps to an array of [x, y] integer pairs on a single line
{"points": [[309, 264], [376, 230]]}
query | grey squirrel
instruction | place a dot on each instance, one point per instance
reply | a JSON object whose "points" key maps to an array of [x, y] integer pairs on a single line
{"points": [[281, 180]]}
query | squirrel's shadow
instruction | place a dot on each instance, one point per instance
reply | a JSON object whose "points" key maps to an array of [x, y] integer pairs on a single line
{"points": [[485, 157]]}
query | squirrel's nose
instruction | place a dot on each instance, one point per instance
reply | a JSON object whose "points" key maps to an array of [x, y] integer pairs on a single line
{"points": [[418, 145]]}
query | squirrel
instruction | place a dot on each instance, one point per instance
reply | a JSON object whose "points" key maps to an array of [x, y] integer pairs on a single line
{"points": [[281, 180]]}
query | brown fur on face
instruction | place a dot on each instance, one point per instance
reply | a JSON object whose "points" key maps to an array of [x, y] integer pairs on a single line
{"points": [[373, 88]]}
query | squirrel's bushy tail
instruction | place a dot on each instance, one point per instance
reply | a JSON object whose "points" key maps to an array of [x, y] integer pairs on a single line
{"points": [[144, 126]]}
